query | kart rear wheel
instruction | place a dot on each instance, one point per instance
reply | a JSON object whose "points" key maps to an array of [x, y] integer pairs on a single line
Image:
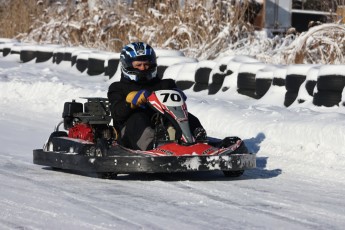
{"points": [[107, 175], [233, 173]]}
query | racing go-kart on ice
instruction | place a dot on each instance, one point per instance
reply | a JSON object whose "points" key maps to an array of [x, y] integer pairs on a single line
{"points": [[90, 143]]}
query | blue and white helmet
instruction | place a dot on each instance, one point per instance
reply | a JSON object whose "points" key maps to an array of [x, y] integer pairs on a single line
{"points": [[138, 51]]}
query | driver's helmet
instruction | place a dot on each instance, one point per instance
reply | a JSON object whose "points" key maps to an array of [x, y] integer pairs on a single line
{"points": [[138, 51]]}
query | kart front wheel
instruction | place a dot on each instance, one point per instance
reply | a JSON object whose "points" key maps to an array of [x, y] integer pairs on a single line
{"points": [[233, 173]]}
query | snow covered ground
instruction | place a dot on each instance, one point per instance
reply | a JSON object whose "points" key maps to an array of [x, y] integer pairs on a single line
{"points": [[298, 183]]}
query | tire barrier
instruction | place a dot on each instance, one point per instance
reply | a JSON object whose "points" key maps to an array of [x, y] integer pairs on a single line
{"points": [[75, 54], [217, 76], [6, 50], [201, 78], [58, 55], [329, 86], [306, 91], [295, 76], [95, 66], [82, 61], [246, 82], [202, 75], [27, 55], [68, 53], [321, 85], [233, 64], [96, 63], [279, 76], [111, 65], [43, 56], [293, 82], [326, 98], [160, 70], [217, 82], [263, 81]]}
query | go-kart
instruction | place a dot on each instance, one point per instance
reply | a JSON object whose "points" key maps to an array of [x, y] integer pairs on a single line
{"points": [[90, 144]]}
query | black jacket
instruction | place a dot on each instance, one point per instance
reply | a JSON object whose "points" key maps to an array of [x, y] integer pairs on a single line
{"points": [[118, 91]]}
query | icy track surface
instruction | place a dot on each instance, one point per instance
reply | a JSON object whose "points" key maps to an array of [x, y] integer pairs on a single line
{"points": [[298, 182]]}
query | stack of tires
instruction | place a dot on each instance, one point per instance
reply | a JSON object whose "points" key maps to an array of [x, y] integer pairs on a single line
{"points": [[329, 86], [97, 62], [246, 82], [202, 75], [28, 53], [233, 64], [43, 55], [295, 76], [263, 82], [306, 91], [112, 64]]}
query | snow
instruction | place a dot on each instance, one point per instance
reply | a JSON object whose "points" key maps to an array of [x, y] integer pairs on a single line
{"points": [[298, 182]]}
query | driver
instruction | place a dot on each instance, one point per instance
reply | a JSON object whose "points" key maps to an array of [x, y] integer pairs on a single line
{"points": [[127, 97]]}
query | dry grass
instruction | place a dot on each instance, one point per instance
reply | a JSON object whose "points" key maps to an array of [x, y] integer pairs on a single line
{"points": [[17, 17], [193, 28], [197, 29]]}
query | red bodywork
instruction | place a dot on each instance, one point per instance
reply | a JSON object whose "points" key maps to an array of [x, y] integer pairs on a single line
{"points": [[197, 149]]}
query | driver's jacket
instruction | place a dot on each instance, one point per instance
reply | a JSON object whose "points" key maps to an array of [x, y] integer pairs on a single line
{"points": [[118, 91]]}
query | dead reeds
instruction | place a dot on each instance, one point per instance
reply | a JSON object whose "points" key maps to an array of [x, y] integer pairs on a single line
{"points": [[201, 29]]}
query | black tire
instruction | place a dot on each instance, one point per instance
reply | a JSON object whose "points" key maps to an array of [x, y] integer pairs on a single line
{"points": [[331, 83], [218, 78], [74, 60], [67, 56], [199, 87], [310, 85], [290, 97], [81, 64], [262, 86], [6, 51], [278, 81], [95, 67], [102, 148], [217, 83], [112, 67], [214, 88], [183, 85], [160, 71], [233, 173], [327, 98], [247, 92], [43, 56], [202, 75], [293, 82], [223, 67], [107, 175], [246, 81], [58, 57], [229, 141], [27, 55]]}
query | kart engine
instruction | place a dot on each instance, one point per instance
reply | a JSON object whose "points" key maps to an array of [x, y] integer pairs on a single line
{"points": [[82, 131], [88, 121]]}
